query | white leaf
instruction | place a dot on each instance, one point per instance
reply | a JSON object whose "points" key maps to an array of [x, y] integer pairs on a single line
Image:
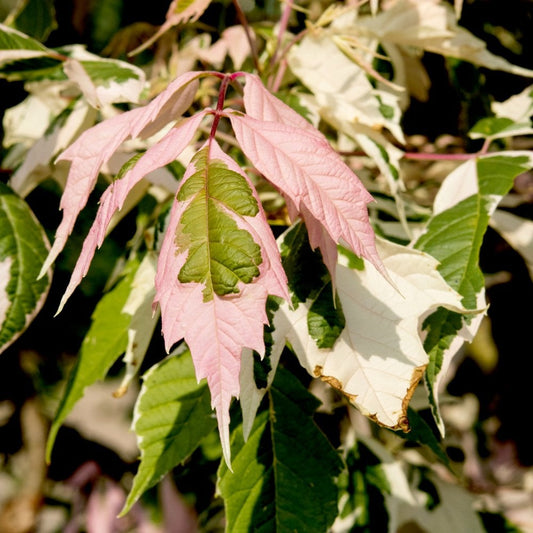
{"points": [[143, 319], [518, 232], [379, 358], [518, 107]]}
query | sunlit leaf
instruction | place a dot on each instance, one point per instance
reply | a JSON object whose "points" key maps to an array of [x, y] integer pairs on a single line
{"points": [[462, 209], [172, 416], [216, 323], [378, 358]]}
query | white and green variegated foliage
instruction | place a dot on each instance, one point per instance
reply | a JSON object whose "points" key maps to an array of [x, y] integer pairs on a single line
{"points": [[373, 319]]}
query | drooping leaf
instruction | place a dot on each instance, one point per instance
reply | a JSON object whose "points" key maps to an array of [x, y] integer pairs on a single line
{"points": [[257, 374], [96, 146], [216, 326], [158, 155], [299, 161], [283, 476], [23, 246], [342, 88], [462, 209], [430, 26], [20, 53], [104, 343], [378, 358], [172, 416]]}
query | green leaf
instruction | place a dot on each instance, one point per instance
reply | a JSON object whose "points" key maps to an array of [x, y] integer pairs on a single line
{"points": [[219, 253], [306, 272], [499, 127], [23, 249], [104, 343], [35, 18], [365, 486], [11, 39], [103, 71], [309, 279], [325, 319], [172, 415], [22, 57], [454, 237], [283, 476]]}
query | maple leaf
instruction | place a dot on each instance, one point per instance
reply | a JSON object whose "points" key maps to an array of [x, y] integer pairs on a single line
{"points": [[300, 162], [218, 263], [96, 146]]}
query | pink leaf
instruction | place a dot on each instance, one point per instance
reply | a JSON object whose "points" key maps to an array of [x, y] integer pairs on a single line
{"points": [[302, 165], [157, 156], [96, 146], [218, 329], [262, 105]]}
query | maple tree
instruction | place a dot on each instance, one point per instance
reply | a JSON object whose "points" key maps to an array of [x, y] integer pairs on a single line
{"points": [[371, 292]]}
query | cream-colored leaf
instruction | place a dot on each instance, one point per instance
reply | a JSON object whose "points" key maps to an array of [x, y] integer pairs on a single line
{"points": [[431, 25], [143, 319], [379, 358], [518, 232], [518, 107], [37, 164], [342, 89]]}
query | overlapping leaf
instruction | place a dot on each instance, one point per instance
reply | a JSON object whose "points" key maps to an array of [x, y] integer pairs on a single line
{"points": [[212, 286], [105, 341], [114, 196], [101, 80], [299, 161]]}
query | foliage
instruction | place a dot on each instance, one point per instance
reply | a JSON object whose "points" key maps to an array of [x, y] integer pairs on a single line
{"points": [[206, 143]]}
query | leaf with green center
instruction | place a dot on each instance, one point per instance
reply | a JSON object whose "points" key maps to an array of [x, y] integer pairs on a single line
{"points": [[217, 327], [220, 254], [23, 248], [284, 475], [462, 209], [172, 416], [105, 341]]}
